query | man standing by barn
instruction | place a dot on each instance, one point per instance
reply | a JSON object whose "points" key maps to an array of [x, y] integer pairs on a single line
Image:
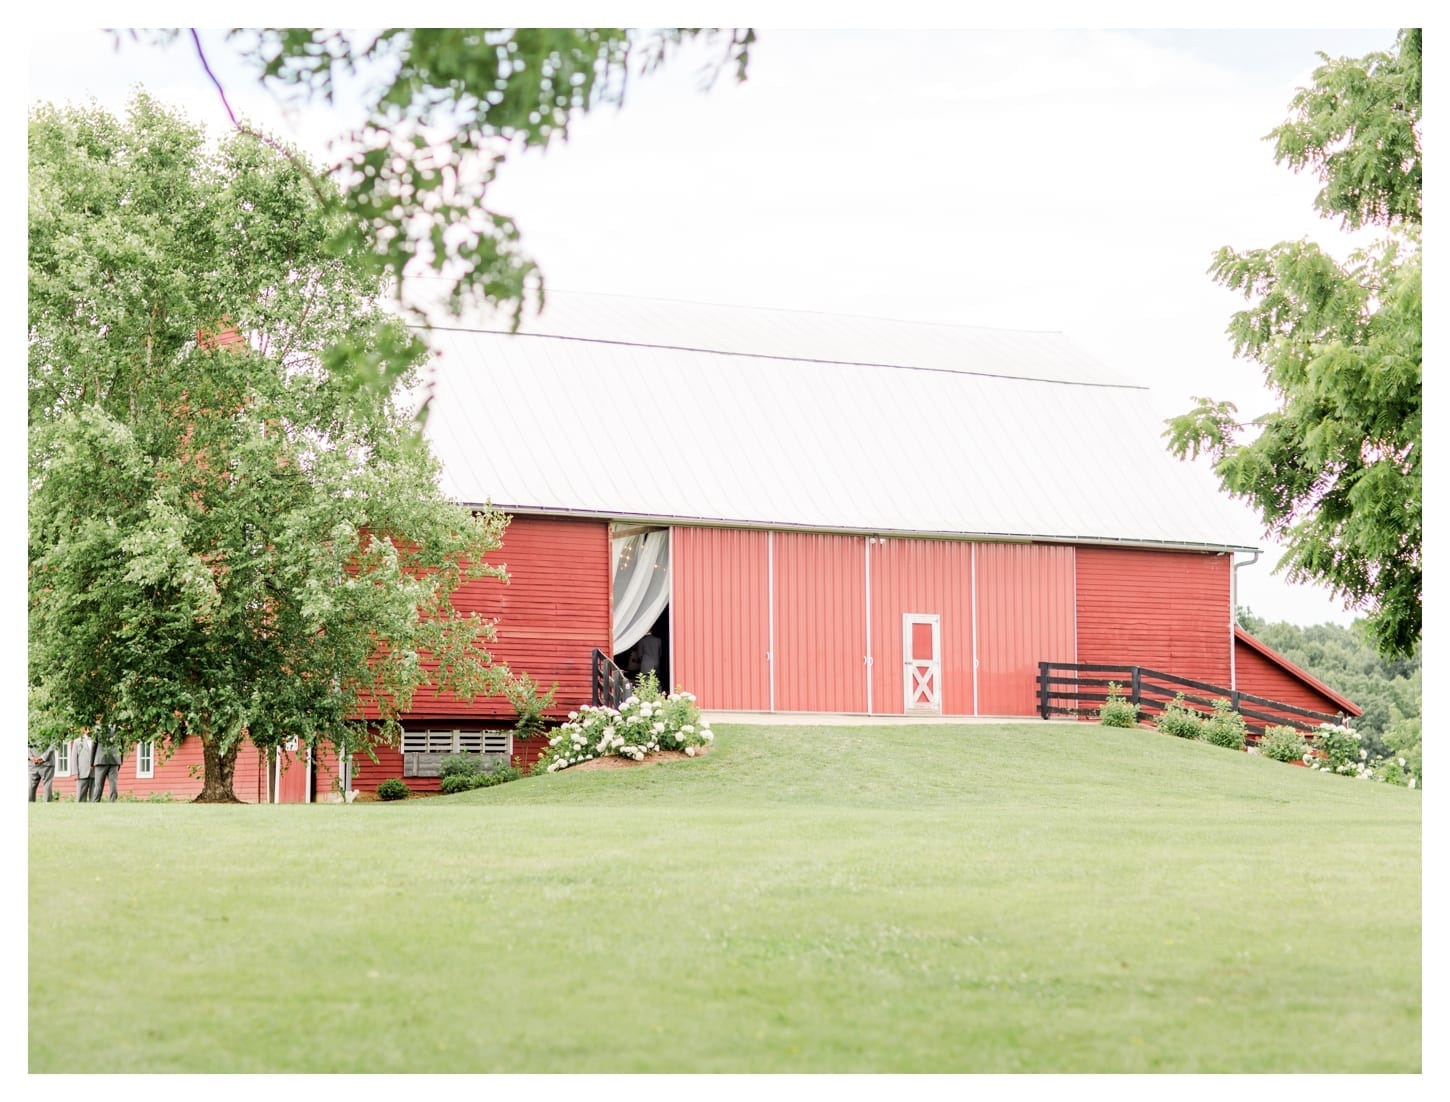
{"points": [[107, 764], [83, 752], [42, 768], [649, 649]]}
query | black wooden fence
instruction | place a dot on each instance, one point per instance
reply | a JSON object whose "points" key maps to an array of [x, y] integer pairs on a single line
{"points": [[1078, 689], [608, 687]]}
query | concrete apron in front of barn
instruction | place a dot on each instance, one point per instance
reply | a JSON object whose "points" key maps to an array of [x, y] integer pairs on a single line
{"points": [[857, 719]]}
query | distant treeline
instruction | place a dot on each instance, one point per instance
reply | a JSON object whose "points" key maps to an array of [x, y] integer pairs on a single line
{"points": [[1388, 691]]}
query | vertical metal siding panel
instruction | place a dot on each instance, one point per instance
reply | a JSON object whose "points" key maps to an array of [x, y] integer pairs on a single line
{"points": [[1025, 616], [820, 622], [922, 576], [719, 618], [1162, 609], [870, 647]]}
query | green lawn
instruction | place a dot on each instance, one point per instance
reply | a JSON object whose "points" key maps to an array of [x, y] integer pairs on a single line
{"points": [[1033, 897]]}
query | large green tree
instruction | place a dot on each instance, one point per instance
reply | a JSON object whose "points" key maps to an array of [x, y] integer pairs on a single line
{"points": [[1334, 469], [226, 536]]}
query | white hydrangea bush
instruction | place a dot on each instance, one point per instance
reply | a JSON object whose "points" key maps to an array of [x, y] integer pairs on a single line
{"points": [[644, 724], [1336, 749]]}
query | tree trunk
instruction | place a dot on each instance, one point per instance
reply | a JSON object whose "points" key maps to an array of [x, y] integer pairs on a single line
{"points": [[219, 766]]}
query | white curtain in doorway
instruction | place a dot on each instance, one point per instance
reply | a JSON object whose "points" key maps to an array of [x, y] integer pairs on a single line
{"points": [[641, 585]]}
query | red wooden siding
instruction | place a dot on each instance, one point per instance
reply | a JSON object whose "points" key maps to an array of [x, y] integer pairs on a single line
{"points": [[368, 774], [1025, 615], [1168, 610], [1264, 672], [929, 577], [820, 622], [180, 774], [551, 614], [327, 782], [720, 616]]}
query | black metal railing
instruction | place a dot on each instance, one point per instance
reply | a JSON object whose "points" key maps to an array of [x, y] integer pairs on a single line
{"points": [[608, 687], [1062, 689]]}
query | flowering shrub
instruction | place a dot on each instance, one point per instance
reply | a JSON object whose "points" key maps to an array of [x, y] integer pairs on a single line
{"points": [[1116, 711], [1282, 744], [1181, 720], [646, 723], [1225, 727], [1337, 750], [1394, 771]]}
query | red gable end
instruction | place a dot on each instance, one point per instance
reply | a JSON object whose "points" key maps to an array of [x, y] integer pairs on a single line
{"points": [[1264, 672]]}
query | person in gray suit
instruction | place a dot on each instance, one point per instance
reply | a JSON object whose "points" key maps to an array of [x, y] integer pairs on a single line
{"points": [[83, 752], [42, 768], [106, 764]]}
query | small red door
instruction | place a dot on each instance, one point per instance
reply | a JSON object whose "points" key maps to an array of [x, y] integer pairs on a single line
{"points": [[294, 767]]}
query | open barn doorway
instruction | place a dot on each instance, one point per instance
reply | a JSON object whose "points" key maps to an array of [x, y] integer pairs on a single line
{"points": [[641, 612], [651, 652]]}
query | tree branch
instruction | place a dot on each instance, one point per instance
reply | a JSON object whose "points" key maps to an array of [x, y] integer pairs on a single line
{"points": [[278, 146], [222, 92]]}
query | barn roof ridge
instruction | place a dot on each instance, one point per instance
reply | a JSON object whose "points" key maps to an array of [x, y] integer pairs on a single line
{"points": [[788, 336], [800, 359]]}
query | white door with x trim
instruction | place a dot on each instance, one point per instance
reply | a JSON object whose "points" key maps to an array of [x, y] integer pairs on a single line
{"points": [[921, 651]]}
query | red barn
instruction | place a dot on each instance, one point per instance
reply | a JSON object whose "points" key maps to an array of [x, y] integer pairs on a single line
{"points": [[820, 514]]}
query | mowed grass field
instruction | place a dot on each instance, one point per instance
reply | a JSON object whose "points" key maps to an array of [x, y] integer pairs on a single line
{"points": [[1023, 897]]}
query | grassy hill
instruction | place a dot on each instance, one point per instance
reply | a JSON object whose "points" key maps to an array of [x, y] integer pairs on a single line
{"points": [[1028, 897]]}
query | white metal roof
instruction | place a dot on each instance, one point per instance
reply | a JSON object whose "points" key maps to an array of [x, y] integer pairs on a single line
{"points": [[629, 408]]}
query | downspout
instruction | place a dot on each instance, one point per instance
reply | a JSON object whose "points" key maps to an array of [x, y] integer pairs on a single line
{"points": [[1233, 619]]}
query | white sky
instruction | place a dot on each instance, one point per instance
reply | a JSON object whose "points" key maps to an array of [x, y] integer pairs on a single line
{"points": [[1038, 179]]}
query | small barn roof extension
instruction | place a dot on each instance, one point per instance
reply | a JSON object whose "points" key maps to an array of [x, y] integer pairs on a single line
{"points": [[1339, 699], [681, 412]]}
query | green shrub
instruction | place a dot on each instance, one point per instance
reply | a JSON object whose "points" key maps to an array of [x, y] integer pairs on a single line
{"points": [[1181, 720], [1283, 744], [393, 789], [460, 765], [478, 775], [528, 704], [499, 774], [1225, 727], [1116, 710], [647, 687]]}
